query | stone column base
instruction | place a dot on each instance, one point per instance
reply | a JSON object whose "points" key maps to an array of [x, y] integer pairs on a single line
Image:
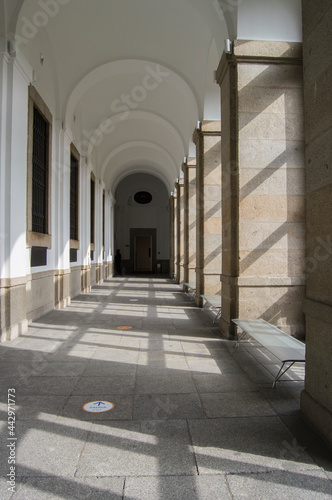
{"points": [[191, 275], [85, 279], [99, 274], [318, 416], [206, 284], [40, 297], [61, 288], [75, 280], [107, 270], [13, 320]]}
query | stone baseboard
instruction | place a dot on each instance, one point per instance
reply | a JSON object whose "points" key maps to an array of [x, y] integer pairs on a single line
{"points": [[13, 321]]}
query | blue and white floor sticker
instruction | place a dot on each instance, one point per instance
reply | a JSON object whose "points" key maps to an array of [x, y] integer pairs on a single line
{"points": [[98, 406]]}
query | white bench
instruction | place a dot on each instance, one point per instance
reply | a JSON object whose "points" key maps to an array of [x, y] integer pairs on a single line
{"points": [[214, 301], [190, 288], [284, 347]]}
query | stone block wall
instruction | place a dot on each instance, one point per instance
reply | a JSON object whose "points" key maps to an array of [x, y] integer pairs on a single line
{"points": [[316, 400]]}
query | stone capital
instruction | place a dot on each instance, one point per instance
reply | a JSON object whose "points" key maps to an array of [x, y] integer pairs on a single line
{"points": [[259, 51], [207, 128], [188, 163]]}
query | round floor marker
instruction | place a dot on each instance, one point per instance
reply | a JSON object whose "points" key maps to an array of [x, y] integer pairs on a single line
{"points": [[124, 327], [98, 406]]}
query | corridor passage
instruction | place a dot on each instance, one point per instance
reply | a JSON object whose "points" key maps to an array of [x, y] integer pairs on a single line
{"points": [[194, 418]]}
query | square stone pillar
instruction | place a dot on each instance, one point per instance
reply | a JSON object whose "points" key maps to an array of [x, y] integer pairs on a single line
{"points": [[179, 241], [175, 217], [263, 184], [208, 209], [189, 194], [316, 399], [171, 237]]}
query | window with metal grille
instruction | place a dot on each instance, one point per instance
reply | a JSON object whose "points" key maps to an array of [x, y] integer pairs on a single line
{"points": [[92, 211], [39, 172], [73, 255], [73, 198], [104, 219]]}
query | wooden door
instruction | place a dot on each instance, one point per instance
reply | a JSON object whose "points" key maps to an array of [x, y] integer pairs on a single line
{"points": [[143, 248]]}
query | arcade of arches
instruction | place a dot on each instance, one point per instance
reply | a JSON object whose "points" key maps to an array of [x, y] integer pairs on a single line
{"points": [[194, 136]]}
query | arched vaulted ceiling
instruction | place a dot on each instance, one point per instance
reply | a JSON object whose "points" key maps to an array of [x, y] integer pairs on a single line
{"points": [[130, 79], [127, 78]]}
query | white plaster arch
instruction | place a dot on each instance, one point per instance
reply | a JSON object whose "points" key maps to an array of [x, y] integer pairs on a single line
{"points": [[212, 90], [47, 80], [12, 17], [3, 31], [119, 157], [129, 169], [178, 137], [206, 10], [122, 66], [219, 16]]}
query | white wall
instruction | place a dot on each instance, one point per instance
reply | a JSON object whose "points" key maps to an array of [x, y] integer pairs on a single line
{"points": [[270, 20], [212, 90], [13, 159], [129, 214]]}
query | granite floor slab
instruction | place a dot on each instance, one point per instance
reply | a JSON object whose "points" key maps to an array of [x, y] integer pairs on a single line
{"points": [[193, 417], [47, 448], [177, 488], [116, 384], [59, 488], [251, 444], [127, 449], [304, 485], [236, 404], [167, 406]]}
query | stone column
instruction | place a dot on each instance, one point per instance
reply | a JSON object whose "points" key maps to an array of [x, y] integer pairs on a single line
{"points": [[208, 209], [263, 184], [179, 231], [171, 236], [189, 220], [85, 177], [175, 232], [99, 231], [316, 400], [109, 235]]}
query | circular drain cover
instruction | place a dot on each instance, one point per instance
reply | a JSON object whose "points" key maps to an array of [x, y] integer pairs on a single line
{"points": [[98, 406]]}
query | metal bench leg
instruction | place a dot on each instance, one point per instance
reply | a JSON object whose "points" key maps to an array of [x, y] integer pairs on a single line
{"points": [[281, 373], [217, 317], [240, 338]]}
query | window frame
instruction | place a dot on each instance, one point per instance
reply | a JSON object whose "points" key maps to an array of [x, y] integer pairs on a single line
{"points": [[103, 219], [92, 213], [35, 239], [75, 244]]}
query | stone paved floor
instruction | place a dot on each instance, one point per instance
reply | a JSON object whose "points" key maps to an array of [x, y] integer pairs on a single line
{"points": [[193, 418]]}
